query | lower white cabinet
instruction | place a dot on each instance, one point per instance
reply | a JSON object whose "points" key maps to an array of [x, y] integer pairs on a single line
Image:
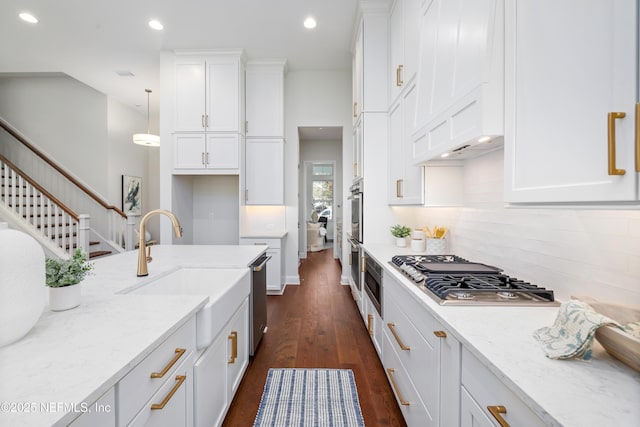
{"points": [[101, 413], [163, 378], [486, 401], [275, 266], [418, 347], [219, 369]]}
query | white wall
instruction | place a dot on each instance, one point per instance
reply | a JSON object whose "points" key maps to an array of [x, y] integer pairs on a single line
{"points": [[312, 98], [572, 251], [86, 132]]}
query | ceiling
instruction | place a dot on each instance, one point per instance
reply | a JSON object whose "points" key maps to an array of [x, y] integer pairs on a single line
{"points": [[94, 40]]}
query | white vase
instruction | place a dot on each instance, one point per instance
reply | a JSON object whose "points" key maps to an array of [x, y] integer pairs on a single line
{"points": [[64, 298], [22, 291], [401, 242]]}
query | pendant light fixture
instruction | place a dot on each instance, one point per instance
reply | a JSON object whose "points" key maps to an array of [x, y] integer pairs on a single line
{"points": [[147, 139]]}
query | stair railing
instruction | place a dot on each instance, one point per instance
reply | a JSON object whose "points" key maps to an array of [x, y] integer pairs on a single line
{"points": [[107, 220]]}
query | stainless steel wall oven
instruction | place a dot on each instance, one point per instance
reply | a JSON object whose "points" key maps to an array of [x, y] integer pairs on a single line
{"points": [[356, 211]]}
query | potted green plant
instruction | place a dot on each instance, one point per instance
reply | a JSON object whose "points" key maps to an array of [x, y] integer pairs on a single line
{"points": [[63, 277], [400, 232]]}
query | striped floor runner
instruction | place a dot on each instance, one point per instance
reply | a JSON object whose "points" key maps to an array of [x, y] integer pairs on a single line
{"points": [[309, 397]]}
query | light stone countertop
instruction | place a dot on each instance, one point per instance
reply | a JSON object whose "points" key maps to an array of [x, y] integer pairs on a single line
{"points": [[264, 234], [75, 356], [603, 392]]}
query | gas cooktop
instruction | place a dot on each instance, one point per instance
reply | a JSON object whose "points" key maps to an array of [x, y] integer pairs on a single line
{"points": [[452, 280]]}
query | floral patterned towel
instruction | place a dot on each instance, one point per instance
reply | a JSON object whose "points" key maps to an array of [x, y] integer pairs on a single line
{"points": [[571, 335]]}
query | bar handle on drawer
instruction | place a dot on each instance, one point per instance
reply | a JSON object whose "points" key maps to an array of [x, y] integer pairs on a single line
{"points": [[370, 324], [234, 347], [613, 169], [496, 411], [179, 353], [638, 137], [403, 402], [440, 334], [392, 327], [179, 380]]}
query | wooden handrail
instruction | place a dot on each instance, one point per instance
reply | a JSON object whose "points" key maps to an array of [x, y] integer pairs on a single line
{"points": [[6, 126], [24, 176]]}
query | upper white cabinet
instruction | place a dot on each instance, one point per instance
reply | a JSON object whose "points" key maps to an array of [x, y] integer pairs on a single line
{"points": [[207, 93], [460, 78], [403, 41], [264, 172], [571, 101], [406, 181], [356, 69], [211, 153], [264, 99]]}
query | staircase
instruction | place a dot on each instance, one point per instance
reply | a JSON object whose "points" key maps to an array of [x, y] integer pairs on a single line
{"points": [[30, 207]]}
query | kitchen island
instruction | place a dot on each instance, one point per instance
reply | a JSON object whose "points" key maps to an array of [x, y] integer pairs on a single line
{"points": [[72, 358], [499, 342]]}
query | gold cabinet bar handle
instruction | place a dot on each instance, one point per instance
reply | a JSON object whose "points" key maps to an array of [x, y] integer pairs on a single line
{"points": [[395, 387], [234, 346], [202, 158], [392, 327], [179, 380], [397, 188], [440, 334], [496, 411], [613, 170], [638, 137], [207, 158], [202, 121], [355, 105], [399, 81], [363, 264], [355, 169], [179, 352], [206, 120], [370, 324]]}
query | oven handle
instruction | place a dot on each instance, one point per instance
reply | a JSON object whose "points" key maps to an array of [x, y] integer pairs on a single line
{"points": [[354, 244], [355, 197]]}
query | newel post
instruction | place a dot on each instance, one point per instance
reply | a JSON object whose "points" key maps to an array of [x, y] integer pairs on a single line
{"points": [[128, 239], [84, 232]]}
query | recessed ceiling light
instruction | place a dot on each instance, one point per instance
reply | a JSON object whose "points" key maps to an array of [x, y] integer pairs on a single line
{"points": [[156, 25], [484, 139], [25, 16], [309, 23], [443, 155]]}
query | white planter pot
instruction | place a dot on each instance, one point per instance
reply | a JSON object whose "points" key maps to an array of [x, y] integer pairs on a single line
{"points": [[401, 242], [64, 298]]}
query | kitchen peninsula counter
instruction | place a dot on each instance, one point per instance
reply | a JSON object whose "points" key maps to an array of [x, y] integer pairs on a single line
{"points": [[70, 358], [603, 392]]}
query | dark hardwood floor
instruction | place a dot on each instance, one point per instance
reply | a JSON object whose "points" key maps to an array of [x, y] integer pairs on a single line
{"points": [[317, 325]]}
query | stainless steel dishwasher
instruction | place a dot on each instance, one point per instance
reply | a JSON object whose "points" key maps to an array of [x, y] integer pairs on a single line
{"points": [[258, 302]]}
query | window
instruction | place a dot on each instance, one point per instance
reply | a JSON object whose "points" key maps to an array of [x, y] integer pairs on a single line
{"points": [[322, 190]]}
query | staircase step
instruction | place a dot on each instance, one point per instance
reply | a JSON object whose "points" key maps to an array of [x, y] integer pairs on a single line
{"points": [[97, 254]]}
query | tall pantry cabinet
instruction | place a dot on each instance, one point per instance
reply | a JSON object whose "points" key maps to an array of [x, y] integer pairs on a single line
{"points": [[202, 137]]}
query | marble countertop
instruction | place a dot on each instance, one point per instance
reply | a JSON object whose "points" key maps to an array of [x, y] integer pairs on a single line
{"points": [[264, 234], [73, 357], [603, 392]]}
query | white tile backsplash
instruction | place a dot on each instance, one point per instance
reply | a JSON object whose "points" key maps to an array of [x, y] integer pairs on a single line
{"points": [[572, 251]]}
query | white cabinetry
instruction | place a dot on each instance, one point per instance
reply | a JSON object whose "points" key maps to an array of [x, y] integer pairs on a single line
{"points": [[406, 181], [275, 266], [561, 87], [207, 93], [101, 413], [403, 41], [358, 157], [264, 172], [460, 79], [264, 99], [209, 152], [421, 359], [485, 398], [159, 390], [219, 369], [356, 69], [373, 321]]}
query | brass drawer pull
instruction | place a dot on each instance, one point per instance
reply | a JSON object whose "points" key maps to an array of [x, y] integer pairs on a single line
{"points": [[403, 402], [363, 264], [179, 380], [355, 104], [638, 137], [496, 411], [370, 324], [179, 353], [234, 347], [399, 81], [392, 326], [440, 334], [611, 146]]}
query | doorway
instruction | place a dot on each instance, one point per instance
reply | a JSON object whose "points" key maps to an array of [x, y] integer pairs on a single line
{"points": [[320, 189]]}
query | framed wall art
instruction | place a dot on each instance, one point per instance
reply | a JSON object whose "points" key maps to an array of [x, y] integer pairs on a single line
{"points": [[131, 195]]}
